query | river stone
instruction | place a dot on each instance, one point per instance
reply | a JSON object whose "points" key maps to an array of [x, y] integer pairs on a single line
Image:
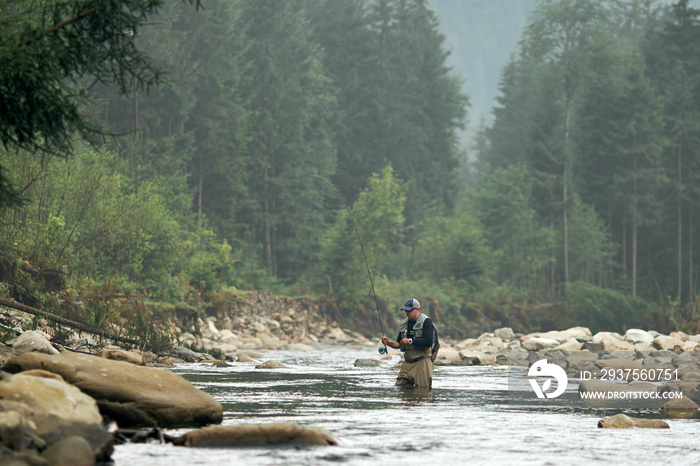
{"points": [[364, 362], [70, 451], [129, 394], [561, 335], [33, 341], [245, 358], [635, 335], [691, 376], [121, 355], [473, 357], [244, 435], [622, 421], [680, 408], [663, 342], [187, 354], [448, 355], [612, 344], [505, 333], [17, 432], [600, 336], [101, 442], [271, 364], [689, 346], [49, 396], [568, 346], [537, 343]]}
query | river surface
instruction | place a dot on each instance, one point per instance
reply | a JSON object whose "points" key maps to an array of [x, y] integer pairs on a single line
{"points": [[469, 417]]}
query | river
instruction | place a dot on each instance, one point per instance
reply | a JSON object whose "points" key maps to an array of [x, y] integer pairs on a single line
{"points": [[469, 417]]}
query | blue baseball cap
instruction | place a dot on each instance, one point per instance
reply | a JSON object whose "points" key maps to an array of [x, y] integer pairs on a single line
{"points": [[410, 305]]}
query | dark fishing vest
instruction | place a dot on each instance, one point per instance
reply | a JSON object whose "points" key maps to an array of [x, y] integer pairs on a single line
{"points": [[412, 353]]}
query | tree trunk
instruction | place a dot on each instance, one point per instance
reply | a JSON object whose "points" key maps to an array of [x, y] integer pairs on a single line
{"points": [[268, 242], [691, 286], [634, 229], [199, 198], [413, 252], [565, 219], [680, 223]]}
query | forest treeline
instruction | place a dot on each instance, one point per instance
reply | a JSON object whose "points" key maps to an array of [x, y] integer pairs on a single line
{"points": [[194, 156]]}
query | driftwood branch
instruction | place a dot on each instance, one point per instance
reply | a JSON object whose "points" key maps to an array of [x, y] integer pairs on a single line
{"points": [[64, 321]]}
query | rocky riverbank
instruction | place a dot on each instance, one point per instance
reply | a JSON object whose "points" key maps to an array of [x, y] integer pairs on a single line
{"points": [[70, 404]]}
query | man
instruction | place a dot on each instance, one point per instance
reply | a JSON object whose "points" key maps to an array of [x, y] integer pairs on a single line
{"points": [[415, 340]]}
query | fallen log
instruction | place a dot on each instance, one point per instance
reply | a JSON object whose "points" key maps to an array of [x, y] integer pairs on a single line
{"points": [[63, 321]]}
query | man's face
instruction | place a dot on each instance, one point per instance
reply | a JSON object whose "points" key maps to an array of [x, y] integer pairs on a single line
{"points": [[413, 315]]}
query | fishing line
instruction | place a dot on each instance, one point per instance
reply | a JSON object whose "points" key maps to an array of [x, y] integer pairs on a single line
{"points": [[364, 256]]}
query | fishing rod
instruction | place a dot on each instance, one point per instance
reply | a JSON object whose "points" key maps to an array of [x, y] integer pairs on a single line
{"points": [[382, 350]]}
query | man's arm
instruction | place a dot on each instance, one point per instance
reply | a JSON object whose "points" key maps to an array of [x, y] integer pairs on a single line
{"points": [[426, 340]]}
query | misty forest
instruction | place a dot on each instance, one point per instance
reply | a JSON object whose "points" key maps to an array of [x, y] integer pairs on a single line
{"points": [[165, 155]]}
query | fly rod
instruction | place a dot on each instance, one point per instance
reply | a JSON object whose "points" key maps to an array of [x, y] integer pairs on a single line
{"points": [[382, 350]]}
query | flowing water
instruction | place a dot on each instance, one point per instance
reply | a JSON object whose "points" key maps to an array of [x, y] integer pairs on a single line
{"points": [[469, 417]]}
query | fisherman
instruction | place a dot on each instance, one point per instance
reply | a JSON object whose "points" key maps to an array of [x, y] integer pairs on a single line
{"points": [[416, 338]]}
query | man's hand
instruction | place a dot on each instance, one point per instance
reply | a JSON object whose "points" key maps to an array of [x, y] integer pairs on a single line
{"points": [[389, 343]]}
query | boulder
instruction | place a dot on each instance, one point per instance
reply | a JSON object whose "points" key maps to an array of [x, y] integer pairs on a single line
{"points": [[680, 408], [245, 358], [271, 364], [17, 432], [244, 435], [505, 333], [129, 394], [187, 354], [538, 343], [33, 341], [101, 442], [568, 346], [635, 335], [582, 333], [689, 346], [337, 334], [363, 362], [622, 421], [121, 355], [70, 451], [663, 342], [600, 336], [613, 344], [473, 357], [49, 396], [448, 355]]}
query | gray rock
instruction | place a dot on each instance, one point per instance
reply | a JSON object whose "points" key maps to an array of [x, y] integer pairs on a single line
{"points": [[505, 333], [271, 364], [367, 362], [680, 407], [244, 435], [129, 394], [101, 442], [622, 421], [33, 341], [70, 451], [46, 394], [593, 347], [187, 354]]}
